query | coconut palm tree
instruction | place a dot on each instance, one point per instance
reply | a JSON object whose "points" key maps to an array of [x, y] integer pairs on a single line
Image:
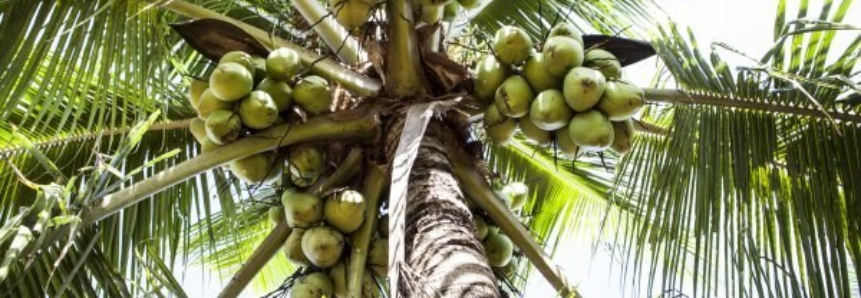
{"points": [[744, 180]]}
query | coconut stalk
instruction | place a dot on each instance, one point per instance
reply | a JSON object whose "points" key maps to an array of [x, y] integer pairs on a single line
{"points": [[474, 185], [375, 182], [334, 35], [358, 84], [403, 67], [316, 129], [266, 250]]}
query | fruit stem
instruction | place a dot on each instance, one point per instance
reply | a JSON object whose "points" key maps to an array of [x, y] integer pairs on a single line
{"points": [[262, 254], [348, 169], [432, 41], [357, 83], [403, 65], [475, 186], [334, 35], [316, 129], [375, 182]]}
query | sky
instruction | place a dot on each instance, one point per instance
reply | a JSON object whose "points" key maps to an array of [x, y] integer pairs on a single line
{"points": [[746, 25]]}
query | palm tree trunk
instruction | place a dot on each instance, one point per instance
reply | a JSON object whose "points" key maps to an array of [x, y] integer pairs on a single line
{"points": [[444, 256]]}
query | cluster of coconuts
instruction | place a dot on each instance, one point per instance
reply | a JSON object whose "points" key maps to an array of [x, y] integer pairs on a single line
{"points": [[498, 248], [563, 93], [319, 231], [248, 93]]}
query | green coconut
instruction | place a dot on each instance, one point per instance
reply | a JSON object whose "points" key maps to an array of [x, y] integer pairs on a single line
{"points": [[258, 110], [378, 256], [283, 64], [432, 14], [512, 45], [256, 168], [621, 101], [549, 110], [195, 91], [514, 97], [209, 103], [591, 130], [539, 78], [198, 129], [240, 58], [231, 81], [561, 54], [338, 273], [564, 143], [314, 285], [383, 226], [259, 69], [302, 210], [305, 163], [489, 75], [450, 11], [276, 215], [345, 210], [469, 4], [293, 249], [323, 245], [518, 193], [583, 88], [623, 135], [605, 62], [533, 133], [567, 30], [499, 128], [499, 249], [223, 127], [281, 93], [312, 93], [481, 229], [351, 13]]}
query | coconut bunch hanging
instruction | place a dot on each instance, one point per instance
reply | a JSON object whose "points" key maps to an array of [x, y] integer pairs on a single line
{"points": [[562, 92]]}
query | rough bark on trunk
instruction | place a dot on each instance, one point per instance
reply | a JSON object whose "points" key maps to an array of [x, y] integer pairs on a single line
{"points": [[444, 256]]}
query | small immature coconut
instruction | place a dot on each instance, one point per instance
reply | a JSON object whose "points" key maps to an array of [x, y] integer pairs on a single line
{"points": [[568, 30], [591, 130], [561, 54], [564, 143], [532, 132], [198, 129], [312, 93], [276, 215], [302, 210], [378, 256], [209, 103], [512, 45], [314, 285], [351, 13], [256, 168], [450, 11], [195, 91], [549, 110], [624, 133], [305, 163], [489, 75], [539, 78], [323, 246], [605, 62], [241, 58], [283, 64], [231, 81], [621, 101], [383, 226], [469, 4], [223, 127], [345, 210], [583, 88], [481, 228], [499, 128], [293, 249], [514, 97], [281, 92], [258, 110], [518, 193], [338, 273], [498, 249]]}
